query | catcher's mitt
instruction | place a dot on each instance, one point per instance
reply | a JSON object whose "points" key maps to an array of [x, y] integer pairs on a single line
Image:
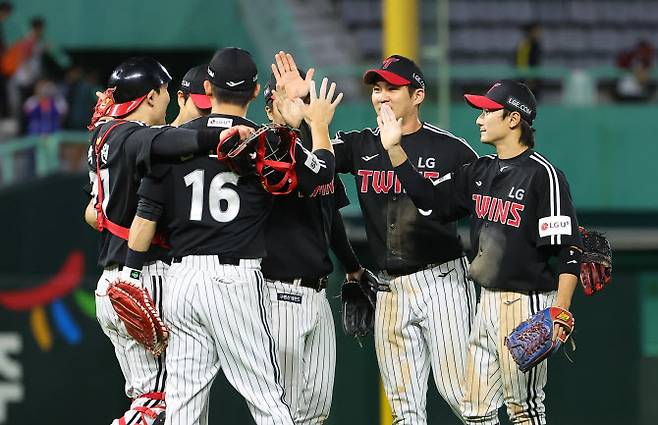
{"points": [[532, 341], [136, 310], [596, 264], [269, 152], [239, 155], [359, 299]]}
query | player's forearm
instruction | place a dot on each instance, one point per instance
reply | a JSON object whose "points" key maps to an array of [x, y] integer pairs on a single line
{"points": [[320, 136], [566, 287], [420, 190], [397, 155], [142, 232], [90, 215], [177, 142], [341, 246]]}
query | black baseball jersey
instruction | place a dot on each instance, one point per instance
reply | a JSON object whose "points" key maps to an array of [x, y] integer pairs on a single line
{"points": [[521, 211], [402, 237], [299, 230], [125, 158], [299, 227], [210, 210]]}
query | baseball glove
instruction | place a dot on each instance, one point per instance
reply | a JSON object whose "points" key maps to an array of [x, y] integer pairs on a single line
{"points": [[135, 308], [596, 263], [532, 341], [239, 155], [359, 299]]}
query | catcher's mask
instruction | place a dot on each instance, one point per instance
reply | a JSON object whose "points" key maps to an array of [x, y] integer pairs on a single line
{"points": [[269, 152]]}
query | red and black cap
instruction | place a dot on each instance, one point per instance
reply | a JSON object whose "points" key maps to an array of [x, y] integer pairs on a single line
{"points": [[233, 69], [131, 81], [192, 85], [507, 94], [397, 70]]}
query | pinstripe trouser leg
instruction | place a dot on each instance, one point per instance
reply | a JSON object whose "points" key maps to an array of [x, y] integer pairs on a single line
{"points": [[143, 372], [423, 324], [218, 319], [303, 327], [492, 376]]}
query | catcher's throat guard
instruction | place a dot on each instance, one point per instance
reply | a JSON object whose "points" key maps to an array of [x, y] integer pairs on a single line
{"points": [[269, 153]]}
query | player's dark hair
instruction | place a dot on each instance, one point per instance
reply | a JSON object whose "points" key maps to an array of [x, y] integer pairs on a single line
{"points": [[233, 97], [527, 132], [37, 23]]}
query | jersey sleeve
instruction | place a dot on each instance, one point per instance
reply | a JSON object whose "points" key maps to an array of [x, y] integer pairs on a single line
{"points": [[341, 199], [557, 223], [343, 145], [467, 154], [313, 168], [153, 187], [446, 196]]}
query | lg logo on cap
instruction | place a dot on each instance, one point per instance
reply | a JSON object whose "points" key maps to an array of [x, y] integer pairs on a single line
{"points": [[517, 104], [420, 80]]}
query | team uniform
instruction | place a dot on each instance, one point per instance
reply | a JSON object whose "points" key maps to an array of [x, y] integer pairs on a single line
{"points": [[522, 214], [124, 158], [296, 277], [215, 302], [426, 318]]}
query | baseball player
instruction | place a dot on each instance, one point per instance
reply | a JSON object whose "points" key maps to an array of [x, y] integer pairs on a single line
{"points": [[425, 320], [296, 273], [193, 102], [119, 155], [215, 302], [522, 215]]}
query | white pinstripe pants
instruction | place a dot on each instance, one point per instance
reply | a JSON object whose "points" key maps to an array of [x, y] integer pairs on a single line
{"points": [[218, 318], [143, 372], [492, 376], [303, 327], [424, 323]]}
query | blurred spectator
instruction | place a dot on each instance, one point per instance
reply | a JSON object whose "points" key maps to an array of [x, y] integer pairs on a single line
{"points": [[44, 112], [27, 62], [5, 10], [528, 54], [79, 89], [635, 84]]}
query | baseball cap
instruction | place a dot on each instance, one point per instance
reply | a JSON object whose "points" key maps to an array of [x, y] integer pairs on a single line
{"points": [[271, 86], [233, 68], [192, 85], [507, 94], [397, 70]]}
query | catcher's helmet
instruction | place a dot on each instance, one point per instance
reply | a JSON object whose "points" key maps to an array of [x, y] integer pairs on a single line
{"points": [[131, 81]]}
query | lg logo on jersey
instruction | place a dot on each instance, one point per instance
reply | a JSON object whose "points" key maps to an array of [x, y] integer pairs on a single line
{"points": [[428, 163], [497, 210], [516, 194], [554, 225]]}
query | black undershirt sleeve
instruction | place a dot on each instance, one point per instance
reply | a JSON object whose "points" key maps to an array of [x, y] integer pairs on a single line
{"points": [[180, 142], [341, 245]]}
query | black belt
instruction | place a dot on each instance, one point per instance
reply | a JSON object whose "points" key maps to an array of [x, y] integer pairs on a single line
{"points": [[230, 261], [318, 284], [403, 271]]}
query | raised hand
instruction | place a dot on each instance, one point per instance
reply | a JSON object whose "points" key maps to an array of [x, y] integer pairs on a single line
{"points": [[390, 128], [291, 110], [323, 105], [287, 76], [242, 131]]}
